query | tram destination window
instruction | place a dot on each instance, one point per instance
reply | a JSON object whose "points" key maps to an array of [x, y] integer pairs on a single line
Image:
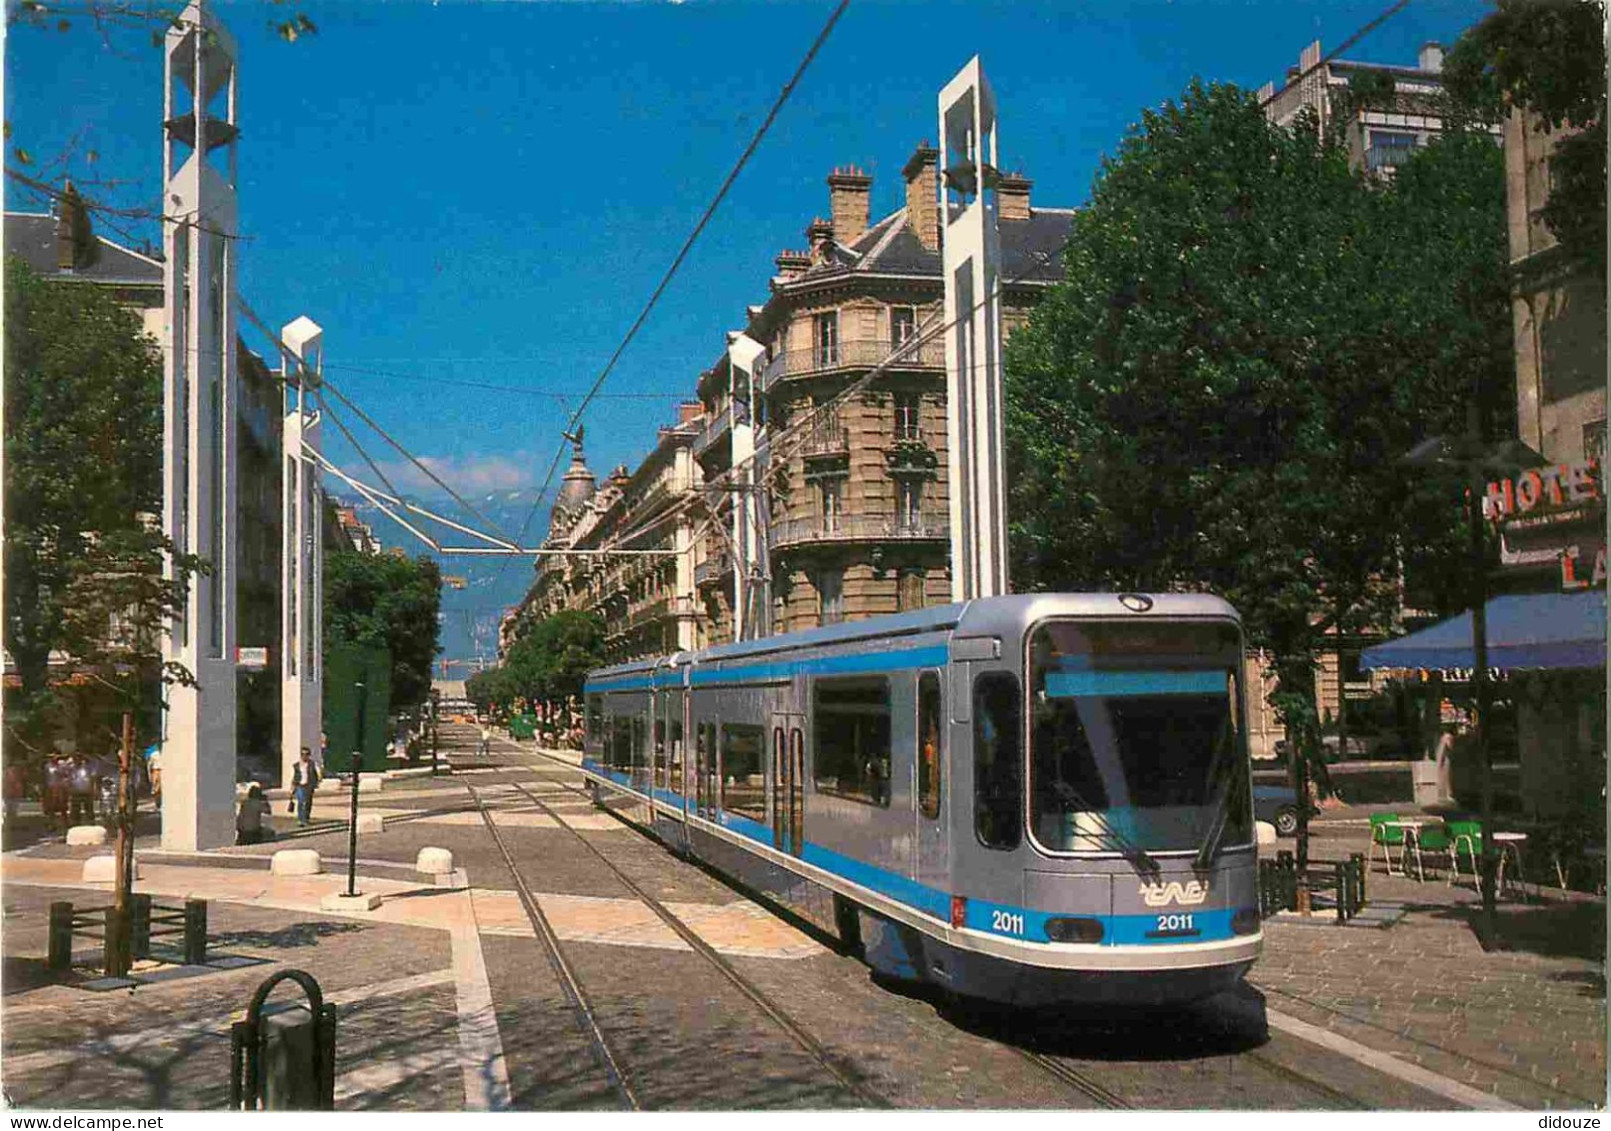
{"points": [[743, 781], [851, 736], [929, 751], [998, 764]]}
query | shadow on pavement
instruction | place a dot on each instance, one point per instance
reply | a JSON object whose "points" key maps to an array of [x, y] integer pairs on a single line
{"points": [[19, 975], [1572, 930], [297, 934]]}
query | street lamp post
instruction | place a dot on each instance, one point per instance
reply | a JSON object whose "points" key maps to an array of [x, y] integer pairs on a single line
{"points": [[352, 814]]}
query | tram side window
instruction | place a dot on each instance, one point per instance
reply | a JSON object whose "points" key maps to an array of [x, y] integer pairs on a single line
{"points": [[620, 742], [637, 761], [998, 768], [674, 747], [743, 782], [929, 721], [851, 736], [595, 719], [660, 749]]}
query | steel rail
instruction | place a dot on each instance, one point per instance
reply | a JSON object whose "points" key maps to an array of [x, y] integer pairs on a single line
{"points": [[759, 997], [581, 1006]]}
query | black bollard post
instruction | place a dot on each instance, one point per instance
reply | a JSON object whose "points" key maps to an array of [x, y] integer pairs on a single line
{"points": [[61, 936], [195, 932], [352, 814], [1339, 872]]}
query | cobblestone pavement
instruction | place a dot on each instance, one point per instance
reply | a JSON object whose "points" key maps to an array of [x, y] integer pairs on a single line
{"points": [[1525, 1024]]}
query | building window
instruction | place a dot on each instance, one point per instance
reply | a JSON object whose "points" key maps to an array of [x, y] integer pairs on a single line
{"points": [[826, 338], [908, 416], [830, 597], [831, 492], [1388, 149], [1594, 441], [908, 505], [851, 737], [909, 590], [902, 324]]}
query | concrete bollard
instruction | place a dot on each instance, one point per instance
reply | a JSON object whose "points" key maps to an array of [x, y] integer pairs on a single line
{"points": [[1266, 833], [103, 870], [296, 862], [434, 862], [371, 823], [86, 834]]}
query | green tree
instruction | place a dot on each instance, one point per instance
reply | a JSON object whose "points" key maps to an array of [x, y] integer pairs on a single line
{"points": [[550, 662], [1548, 58], [1250, 337], [390, 600], [84, 552]]}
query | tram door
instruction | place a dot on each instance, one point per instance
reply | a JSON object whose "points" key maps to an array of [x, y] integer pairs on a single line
{"points": [[705, 770], [932, 795], [788, 782]]}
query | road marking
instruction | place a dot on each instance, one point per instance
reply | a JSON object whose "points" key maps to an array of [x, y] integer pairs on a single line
{"points": [[1389, 1064], [216, 1025], [486, 1076]]}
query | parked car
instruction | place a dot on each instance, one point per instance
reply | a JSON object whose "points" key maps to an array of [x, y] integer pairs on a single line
{"points": [[1278, 805]]}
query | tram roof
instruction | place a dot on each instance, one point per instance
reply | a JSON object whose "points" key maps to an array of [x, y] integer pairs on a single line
{"points": [[990, 615]]}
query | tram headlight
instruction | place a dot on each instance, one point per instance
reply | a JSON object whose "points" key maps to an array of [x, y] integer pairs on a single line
{"points": [[1074, 930], [1245, 921]]}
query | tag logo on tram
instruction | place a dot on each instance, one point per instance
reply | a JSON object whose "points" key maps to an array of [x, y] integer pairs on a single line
{"points": [[1189, 894]]}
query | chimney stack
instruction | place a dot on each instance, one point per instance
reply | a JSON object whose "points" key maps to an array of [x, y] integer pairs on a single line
{"points": [[792, 264], [75, 240], [849, 192], [818, 232], [923, 195], [1012, 196], [689, 411]]}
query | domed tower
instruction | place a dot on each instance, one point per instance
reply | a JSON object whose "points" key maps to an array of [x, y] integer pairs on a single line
{"points": [[575, 490]]}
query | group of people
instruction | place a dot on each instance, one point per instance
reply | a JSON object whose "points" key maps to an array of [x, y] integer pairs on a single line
{"points": [[73, 790], [249, 824]]}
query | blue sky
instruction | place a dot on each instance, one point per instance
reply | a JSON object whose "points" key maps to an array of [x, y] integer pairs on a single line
{"points": [[489, 192]]}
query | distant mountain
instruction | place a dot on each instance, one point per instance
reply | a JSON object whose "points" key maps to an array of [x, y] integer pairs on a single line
{"points": [[477, 588]]}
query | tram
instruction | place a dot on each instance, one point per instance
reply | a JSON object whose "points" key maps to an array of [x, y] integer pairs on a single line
{"points": [[1034, 799]]}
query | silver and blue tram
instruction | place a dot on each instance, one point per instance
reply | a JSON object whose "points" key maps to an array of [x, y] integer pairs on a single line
{"points": [[1032, 799]]}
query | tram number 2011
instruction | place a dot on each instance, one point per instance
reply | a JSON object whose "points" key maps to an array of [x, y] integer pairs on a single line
{"points": [[1175, 923], [1007, 922]]}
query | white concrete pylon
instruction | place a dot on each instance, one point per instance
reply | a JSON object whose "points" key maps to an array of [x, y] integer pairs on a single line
{"points": [[302, 555], [744, 355], [199, 423], [974, 402]]}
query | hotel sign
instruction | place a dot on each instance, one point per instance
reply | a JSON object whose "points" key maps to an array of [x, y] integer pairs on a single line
{"points": [[1552, 517]]}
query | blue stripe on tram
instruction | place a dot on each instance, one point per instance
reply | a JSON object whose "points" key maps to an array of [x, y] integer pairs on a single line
{"points": [[1064, 685]]}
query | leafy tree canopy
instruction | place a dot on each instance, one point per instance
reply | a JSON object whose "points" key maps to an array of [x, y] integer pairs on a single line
{"points": [[1249, 338], [84, 553], [390, 600], [1550, 59]]}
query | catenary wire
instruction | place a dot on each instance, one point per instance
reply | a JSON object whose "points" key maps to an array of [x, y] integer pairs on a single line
{"points": [[676, 264]]}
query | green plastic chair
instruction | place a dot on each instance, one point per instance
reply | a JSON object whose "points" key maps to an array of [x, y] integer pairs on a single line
{"points": [[1465, 836], [1384, 831], [1436, 838]]}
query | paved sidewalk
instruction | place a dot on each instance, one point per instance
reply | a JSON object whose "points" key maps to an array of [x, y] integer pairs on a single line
{"points": [[1525, 1020]]}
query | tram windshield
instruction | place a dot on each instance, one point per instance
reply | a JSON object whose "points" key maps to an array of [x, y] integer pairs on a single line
{"points": [[1136, 741]]}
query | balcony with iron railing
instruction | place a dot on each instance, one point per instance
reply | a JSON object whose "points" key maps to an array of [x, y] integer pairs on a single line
{"points": [[925, 527], [854, 354], [715, 428], [712, 571], [825, 436]]}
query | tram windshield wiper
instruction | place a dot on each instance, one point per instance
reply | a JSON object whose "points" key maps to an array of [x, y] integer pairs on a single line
{"points": [[1224, 793], [1132, 852]]}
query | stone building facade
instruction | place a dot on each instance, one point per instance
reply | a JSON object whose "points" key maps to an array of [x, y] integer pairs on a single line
{"points": [[851, 496]]}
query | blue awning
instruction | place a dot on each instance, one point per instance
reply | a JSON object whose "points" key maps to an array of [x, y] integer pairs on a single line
{"points": [[1525, 630]]}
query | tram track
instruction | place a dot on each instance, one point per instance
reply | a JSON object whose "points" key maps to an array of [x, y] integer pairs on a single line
{"points": [[774, 1012], [582, 1008], [1077, 1077]]}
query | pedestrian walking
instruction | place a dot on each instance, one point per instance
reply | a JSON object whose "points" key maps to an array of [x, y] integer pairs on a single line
{"points": [[82, 786], [54, 791], [249, 827], [153, 772], [304, 780], [15, 785], [486, 741]]}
